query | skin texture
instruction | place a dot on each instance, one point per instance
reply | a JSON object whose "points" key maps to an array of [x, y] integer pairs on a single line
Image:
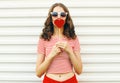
{"points": [[43, 63]]}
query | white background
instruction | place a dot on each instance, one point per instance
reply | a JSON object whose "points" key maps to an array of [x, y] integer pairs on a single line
{"points": [[97, 24]]}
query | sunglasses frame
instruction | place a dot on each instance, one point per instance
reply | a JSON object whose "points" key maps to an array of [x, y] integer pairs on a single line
{"points": [[59, 13]]}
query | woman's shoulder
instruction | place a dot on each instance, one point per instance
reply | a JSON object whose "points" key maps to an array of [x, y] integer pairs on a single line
{"points": [[41, 40]]}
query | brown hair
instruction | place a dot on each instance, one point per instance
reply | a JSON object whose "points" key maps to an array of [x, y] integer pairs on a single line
{"points": [[48, 29]]}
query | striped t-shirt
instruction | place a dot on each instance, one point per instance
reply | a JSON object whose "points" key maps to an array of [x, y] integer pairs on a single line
{"points": [[61, 63]]}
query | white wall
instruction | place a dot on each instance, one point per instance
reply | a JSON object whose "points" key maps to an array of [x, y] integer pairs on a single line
{"points": [[97, 24]]}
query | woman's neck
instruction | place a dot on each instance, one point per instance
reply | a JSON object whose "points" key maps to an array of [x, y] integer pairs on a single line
{"points": [[58, 32]]}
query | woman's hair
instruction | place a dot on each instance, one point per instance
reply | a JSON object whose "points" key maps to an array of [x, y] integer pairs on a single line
{"points": [[48, 29]]}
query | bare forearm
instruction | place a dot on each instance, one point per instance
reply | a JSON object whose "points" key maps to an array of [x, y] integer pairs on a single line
{"points": [[44, 64], [77, 63], [43, 67]]}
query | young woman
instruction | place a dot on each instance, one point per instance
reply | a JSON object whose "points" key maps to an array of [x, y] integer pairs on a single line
{"points": [[58, 48]]}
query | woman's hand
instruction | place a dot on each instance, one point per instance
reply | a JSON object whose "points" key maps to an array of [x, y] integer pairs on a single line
{"points": [[55, 51], [65, 46], [74, 56]]}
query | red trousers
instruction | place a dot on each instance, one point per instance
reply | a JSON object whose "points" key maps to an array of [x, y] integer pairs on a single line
{"points": [[70, 80]]}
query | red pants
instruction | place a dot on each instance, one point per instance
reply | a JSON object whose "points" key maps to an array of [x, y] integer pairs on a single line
{"points": [[70, 80]]}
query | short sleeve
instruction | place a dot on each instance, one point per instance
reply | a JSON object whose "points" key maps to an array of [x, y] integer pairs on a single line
{"points": [[76, 44], [41, 46]]}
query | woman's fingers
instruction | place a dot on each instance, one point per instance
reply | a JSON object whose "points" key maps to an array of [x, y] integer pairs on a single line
{"points": [[62, 44]]}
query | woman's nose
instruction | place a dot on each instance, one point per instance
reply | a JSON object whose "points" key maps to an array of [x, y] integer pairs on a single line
{"points": [[59, 16]]}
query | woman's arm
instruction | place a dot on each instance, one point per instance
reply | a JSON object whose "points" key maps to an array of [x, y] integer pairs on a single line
{"points": [[43, 63], [76, 61], [74, 56]]}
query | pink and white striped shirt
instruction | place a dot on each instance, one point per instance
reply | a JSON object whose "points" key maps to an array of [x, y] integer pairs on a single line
{"points": [[61, 63]]}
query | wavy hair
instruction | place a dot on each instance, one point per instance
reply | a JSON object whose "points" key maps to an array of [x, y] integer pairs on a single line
{"points": [[48, 29]]}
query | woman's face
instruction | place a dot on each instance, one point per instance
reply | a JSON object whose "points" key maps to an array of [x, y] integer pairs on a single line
{"points": [[58, 13]]}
